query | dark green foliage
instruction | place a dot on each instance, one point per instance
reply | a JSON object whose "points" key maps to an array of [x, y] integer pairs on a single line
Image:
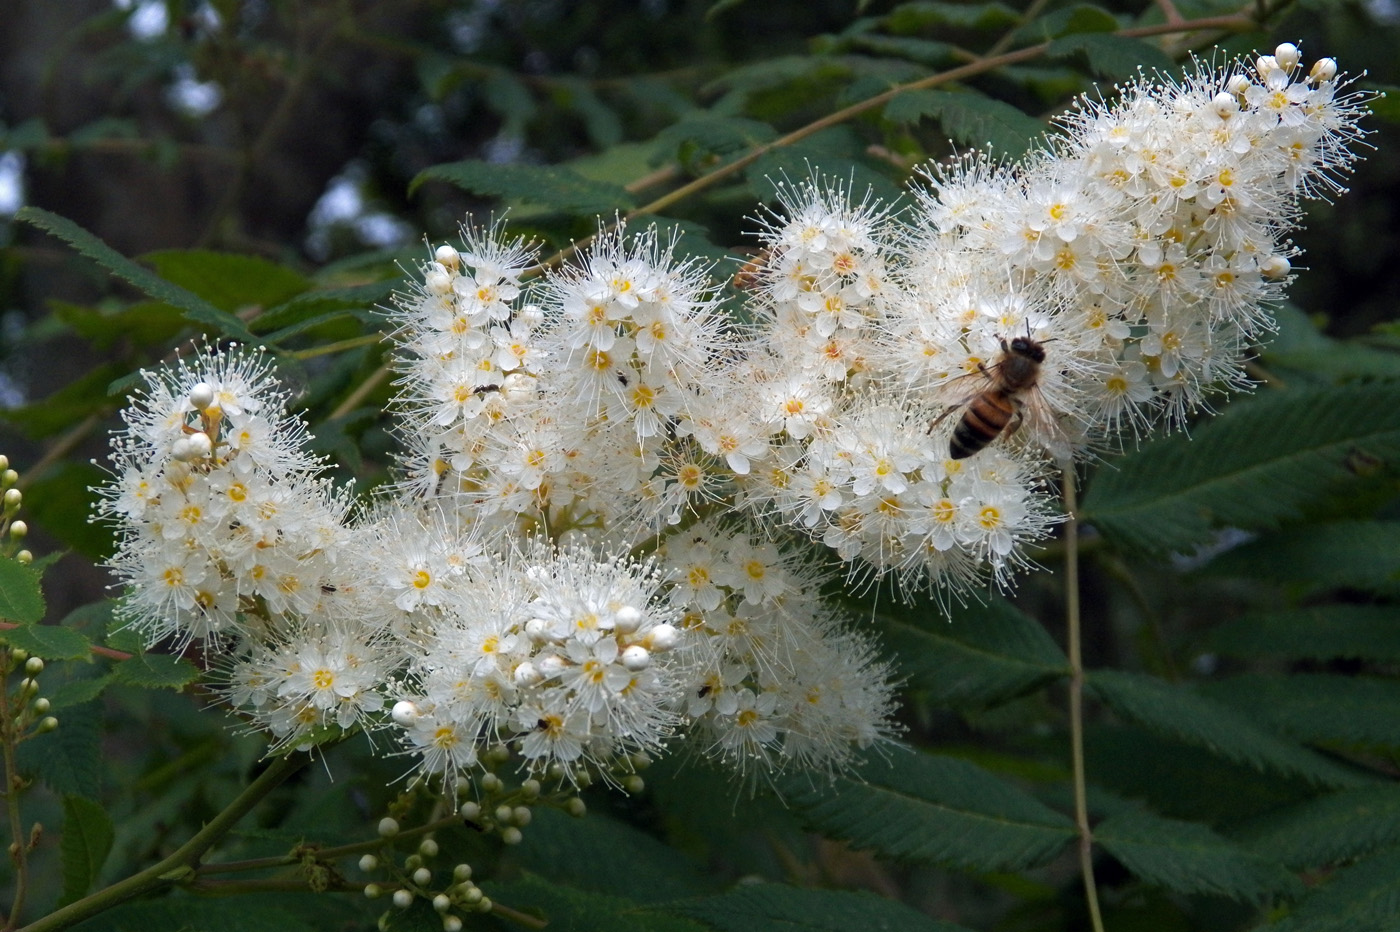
{"points": [[924, 807], [1327, 829], [1188, 857], [760, 907], [971, 119], [980, 655], [549, 186], [21, 599], [1367, 632], [1360, 898], [86, 842], [1261, 462]]}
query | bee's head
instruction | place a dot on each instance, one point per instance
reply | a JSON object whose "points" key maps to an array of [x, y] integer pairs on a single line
{"points": [[1025, 346]]}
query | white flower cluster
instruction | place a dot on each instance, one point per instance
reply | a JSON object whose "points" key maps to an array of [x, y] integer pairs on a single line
{"points": [[898, 389]]}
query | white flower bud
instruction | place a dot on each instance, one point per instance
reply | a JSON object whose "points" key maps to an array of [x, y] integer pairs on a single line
{"points": [[24, 558], [490, 782], [404, 712], [34, 665], [576, 807], [428, 848], [46, 725], [373, 891], [200, 445], [531, 314], [442, 902], [437, 280], [530, 788], [369, 863], [663, 638], [388, 827], [8, 478], [1225, 105], [201, 396], [636, 658], [1265, 65], [537, 630], [462, 872], [504, 814], [451, 924], [18, 529], [526, 674], [627, 619], [512, 836], [550, 666], [447, 257], [517, 386], [422, 876], [1287, 56], [1275, 267], [4, 462], [183, 451], [1324, 69], [470, 811], [41, 705], [403, 899], [1237, 85], [633, 783], [522, 816]]}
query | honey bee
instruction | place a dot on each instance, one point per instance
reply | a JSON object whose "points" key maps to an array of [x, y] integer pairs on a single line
{"points": [[750, 276], [990, 411]]}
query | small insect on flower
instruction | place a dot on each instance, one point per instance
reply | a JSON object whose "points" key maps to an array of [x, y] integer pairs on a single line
{"points": [[990, 411], [750, 274]]}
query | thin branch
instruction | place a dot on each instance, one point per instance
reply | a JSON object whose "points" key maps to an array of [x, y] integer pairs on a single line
{"points": [[19, 845], [1076, 697], [183, 862]]}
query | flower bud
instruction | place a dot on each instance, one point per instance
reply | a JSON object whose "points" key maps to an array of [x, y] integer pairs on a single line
{"points": [[404, 713], [512, 836], [490, 783], [627, 619], [1225, 105], [428, 848], [470, 811], [368, 863], [422, 876], [1323, 70], [438, 280], [388, 827], [12, 499], [521, 816], [636, 658], [1265, 65], [24, 558], [46, 725], [183, 451], [526, 675], [1237, 85], [442, 902], [34, 666], [201, 396], [451, 924], [8, 478], [403, 899], [576, 807], [633, 783], [373, 891], [1287, 56], [447, 257], [1275, 267], [663, 638], [462, 872], [503, 814]]}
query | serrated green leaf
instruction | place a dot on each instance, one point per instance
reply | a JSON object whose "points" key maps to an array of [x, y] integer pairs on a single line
{"points": [[78, 691], [569, 850], [86, 840], [156, 671], [195, 308], [924, 807], [702, 135], [1188, 857], [1327, 829], [982, 655], [69, 758], [21, 596], [1111, 56], [312, 304], [923, 51], [765, 907], [1318, 707], [971, 118], [1368, 632], [229, 281], [1337, 555], [566, 907], [254, 913], [1360, 898], [548, 185], [50, 642], [144, 322], [1256, 465], [1193, 719], [924, 17]]}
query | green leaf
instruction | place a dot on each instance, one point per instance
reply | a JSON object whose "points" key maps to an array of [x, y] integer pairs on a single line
{"points": [[700, 136], [156, 671], [970, 118], [1197, 720], [923, 807], [1368, 632], [229, 281], [1360, 898], [549, 185], [21, 598], [254, 913], [69, 758], [81, 397], [51, 642], [1111, 56], [982, 655], [145, 322], [86, 840], [1188, 857], [313, 304], [78, 691], [919, 18], [1327, 829], [1338, 555], [765, 907], [569, 850], [568, 908], [1318, 707], [196, 309], [1258, 464]]}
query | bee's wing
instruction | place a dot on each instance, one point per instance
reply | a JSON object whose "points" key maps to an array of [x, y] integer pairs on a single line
{"points": [[1045, 428]]}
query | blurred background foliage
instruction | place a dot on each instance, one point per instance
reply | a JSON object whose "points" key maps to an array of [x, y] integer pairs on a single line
{"points": [[279, 164]]}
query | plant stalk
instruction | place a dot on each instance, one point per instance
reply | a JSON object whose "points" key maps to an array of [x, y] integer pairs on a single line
{"points": [[183, 862], [1076, 696]]}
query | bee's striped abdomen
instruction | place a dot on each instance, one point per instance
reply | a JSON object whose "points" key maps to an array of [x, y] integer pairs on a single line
{"points": [[985, 418]]}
